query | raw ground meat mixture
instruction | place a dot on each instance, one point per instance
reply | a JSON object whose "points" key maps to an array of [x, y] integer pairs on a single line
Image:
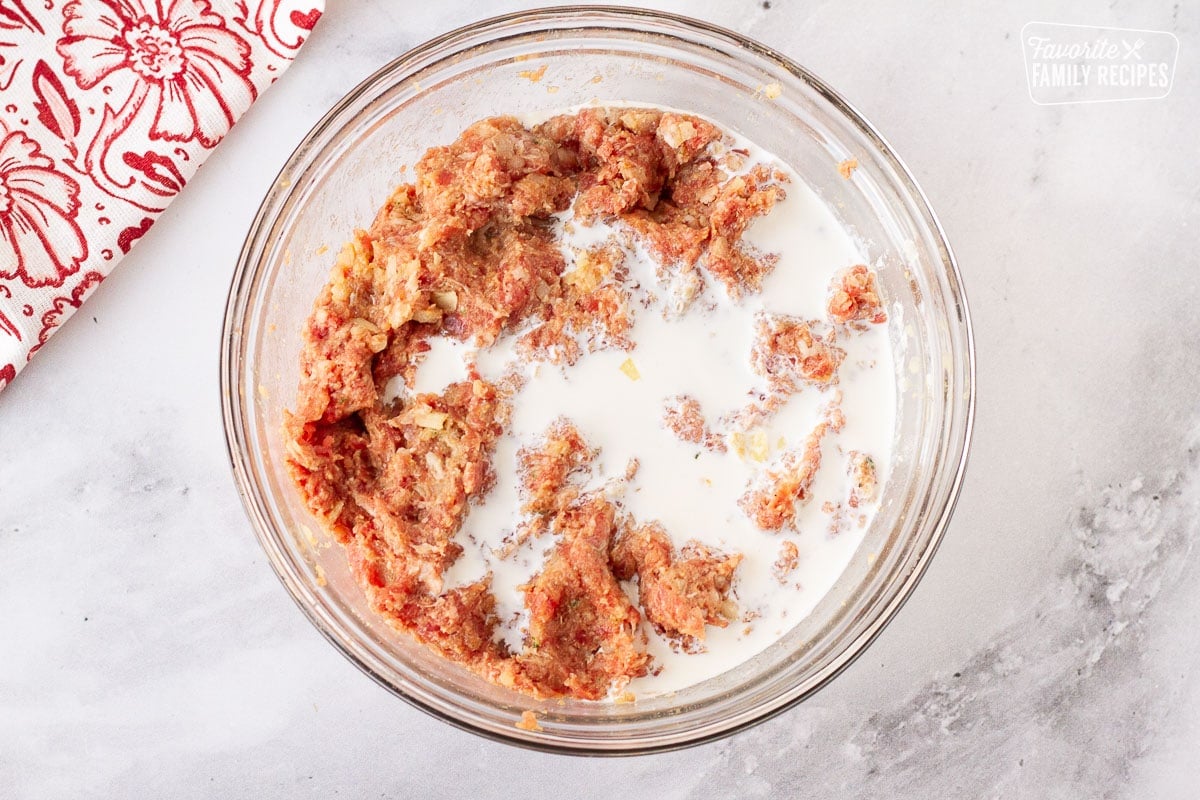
{"points": [[469, 251]]}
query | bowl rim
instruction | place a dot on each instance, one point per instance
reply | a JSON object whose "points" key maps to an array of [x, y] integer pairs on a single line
{"points": [[609, 16]]}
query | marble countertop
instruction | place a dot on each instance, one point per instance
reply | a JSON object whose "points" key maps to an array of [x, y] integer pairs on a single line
{"points": [[146, 648]]}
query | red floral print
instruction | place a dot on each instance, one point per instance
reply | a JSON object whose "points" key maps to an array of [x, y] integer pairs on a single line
{"points": [[40, 242], [107, 107], [267, 21], [8, 328], [63, 306], [189, 67]]}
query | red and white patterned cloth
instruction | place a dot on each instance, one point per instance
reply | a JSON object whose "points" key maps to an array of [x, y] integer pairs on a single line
{"points": [[108, 107]]}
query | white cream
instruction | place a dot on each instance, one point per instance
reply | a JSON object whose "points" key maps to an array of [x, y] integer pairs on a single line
{"points": [[694, 492]]}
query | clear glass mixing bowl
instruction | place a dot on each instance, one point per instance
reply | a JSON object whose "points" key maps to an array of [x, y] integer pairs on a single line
{"points": [[348, 164]]}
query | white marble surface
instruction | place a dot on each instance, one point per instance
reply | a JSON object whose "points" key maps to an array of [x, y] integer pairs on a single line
{"points": [[146, 649]]}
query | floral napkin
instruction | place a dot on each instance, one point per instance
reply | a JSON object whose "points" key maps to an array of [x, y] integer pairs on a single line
{"points": [[108, 107]]}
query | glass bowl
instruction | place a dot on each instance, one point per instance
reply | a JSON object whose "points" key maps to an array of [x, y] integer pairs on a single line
{"points": [[348, 164]]}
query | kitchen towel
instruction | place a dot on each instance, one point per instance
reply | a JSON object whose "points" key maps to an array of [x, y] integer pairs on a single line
{"points": [[108, 107]]}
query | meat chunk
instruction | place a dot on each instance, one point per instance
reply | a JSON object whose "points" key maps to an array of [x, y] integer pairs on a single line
{"points": [[458, 624], [684, 418], [854, 297], [771, 502], [584, 636], [545, 470], [630, 168], [588, 309], [789, 355], [738, 202], [788, 561], [680, 594]]}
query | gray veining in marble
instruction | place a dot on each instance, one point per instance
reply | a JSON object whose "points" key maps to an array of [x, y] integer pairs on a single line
{"points": [[146, 649]]}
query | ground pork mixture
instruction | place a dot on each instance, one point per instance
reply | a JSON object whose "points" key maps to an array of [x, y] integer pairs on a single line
{"points": [[469, 251]]}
